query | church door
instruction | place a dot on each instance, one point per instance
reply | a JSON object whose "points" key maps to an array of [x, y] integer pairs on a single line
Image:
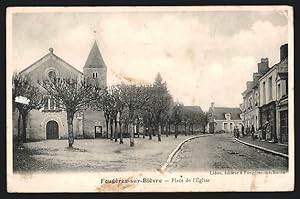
{"points": [[52, 130]]}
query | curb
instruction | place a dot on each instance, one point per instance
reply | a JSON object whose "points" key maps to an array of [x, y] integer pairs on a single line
{"points": [[171, 156], [263, 149]]}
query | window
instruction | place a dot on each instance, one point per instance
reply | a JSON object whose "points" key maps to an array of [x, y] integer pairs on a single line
{"points": [[250, 103], [95, 75], [227, 116], [278, 91], [51, 104], [231, 126], [46, 107], [264, 92], [270, 89], [225, 126], [52, 75], [256, 98]]}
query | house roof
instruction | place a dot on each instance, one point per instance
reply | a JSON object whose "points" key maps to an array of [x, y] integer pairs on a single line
{"points": [[48, 56], [95, 59], [192, 108], [219, 113], [281, 64]]}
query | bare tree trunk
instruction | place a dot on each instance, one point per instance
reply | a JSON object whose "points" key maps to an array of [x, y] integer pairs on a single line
{"points": [[121, 132], [19, 128], [185, 129], [24, 120], [169, 129], [106, 121], [70, 130], [159, 132], [116, 130], [144, 129], [138, 129], [131, 133], [176, 130], [111, 129], [150, 134], [192, 128]]}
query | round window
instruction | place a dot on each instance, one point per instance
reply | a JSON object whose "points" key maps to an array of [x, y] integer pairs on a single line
{"points": [[52, 75]]}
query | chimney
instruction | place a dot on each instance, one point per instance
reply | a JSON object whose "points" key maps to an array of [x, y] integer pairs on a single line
{"points": [[249, 84], [263, 66], [256, 76], [212, 104], [283, 51]]}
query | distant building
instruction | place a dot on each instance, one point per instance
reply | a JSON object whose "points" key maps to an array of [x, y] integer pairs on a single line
{"points": [[251, 96], [273, 87], [51, 121], [224, 119]]}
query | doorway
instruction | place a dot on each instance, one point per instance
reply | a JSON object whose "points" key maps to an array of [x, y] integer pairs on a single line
{"points": [[52, 130]]}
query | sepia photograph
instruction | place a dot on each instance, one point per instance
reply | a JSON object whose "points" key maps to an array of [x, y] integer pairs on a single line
{"points": [[186, 98]]}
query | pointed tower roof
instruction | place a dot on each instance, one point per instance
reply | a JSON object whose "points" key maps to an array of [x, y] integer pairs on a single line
{"points": [[94, 59]]}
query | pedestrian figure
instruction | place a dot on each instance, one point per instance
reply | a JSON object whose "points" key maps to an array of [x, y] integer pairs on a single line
{"points": [[247, 131], [264, 132], [237, 132], [243, 129], [252, 132], [268, 131], [259, 133]]}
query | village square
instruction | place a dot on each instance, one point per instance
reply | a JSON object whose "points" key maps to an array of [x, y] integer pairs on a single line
{"points": [[68, 118]]}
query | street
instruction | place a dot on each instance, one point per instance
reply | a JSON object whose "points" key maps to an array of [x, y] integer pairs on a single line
{"points": [[221, 152]]}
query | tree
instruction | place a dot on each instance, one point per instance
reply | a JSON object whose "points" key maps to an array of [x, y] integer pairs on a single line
{"points": [[204, 120], [116, 107], [103, 104], [177, 116], [74, 96], [23, 86], [134, 97], [161, 102]]}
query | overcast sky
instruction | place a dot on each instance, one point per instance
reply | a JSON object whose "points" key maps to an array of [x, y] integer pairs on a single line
{"points": [[204, 56]]}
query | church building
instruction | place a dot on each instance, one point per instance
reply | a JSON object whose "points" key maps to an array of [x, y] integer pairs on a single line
{"points": [[50, 122]]}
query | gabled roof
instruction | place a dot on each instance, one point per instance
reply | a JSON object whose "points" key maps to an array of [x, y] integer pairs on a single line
{"points": [[46, 57], [219, 113], [95, 59], [192, 108]]}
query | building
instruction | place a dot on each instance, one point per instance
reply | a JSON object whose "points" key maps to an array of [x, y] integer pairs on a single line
{"points": [[282, 96], [51, 121], [251, 96], [273, 86], [224, 119]]}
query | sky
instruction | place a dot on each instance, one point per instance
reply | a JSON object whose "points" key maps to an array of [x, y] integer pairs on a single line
{"points": [[204, 56]]}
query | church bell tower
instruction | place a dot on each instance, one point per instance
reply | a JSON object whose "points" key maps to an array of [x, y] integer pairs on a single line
{"points": [[95, 70]]}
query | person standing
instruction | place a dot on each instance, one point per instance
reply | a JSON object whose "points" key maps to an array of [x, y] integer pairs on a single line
{"points": [[237, 131], [268, 131], [252, 132], [247, 131], [243, 129]]}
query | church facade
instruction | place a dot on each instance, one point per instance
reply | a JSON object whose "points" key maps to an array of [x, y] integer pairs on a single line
{"points": [[50, 122]]}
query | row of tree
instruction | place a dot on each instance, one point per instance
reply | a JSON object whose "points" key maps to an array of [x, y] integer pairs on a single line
{"points": [[151, 106]]}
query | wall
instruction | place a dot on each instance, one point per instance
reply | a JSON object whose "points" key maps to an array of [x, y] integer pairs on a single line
{"points": [[51, 63], [271, 73], [37, 121], [102, 75], [219, 126], [92, 118]]}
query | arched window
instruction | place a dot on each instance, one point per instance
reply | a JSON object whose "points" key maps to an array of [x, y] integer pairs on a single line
{"points": [[52, 75], [95, 75]]}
